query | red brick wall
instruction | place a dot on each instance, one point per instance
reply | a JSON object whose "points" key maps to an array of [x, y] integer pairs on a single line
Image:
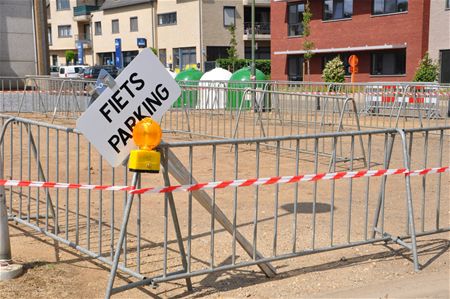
{"points": [[362, 29]]}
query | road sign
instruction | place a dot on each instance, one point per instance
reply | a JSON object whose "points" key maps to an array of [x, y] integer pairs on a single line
{"points": [[353, 60], [354, 69], [144, 88]]}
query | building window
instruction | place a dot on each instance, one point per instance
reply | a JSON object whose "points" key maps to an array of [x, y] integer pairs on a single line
{"points": [[62, 5], [295, 19], [115, 26], [54, 59], [128, 56], [49, 34], [295, 68], [389, 6], [229, 16], [389, 63], [260, 53], [447, 4], [98, 28], [163, 56], [64, 31], [167, 19], [134, 24], [445, 66], [344, 58], [337, 9], [184, 57], [214, 52]]}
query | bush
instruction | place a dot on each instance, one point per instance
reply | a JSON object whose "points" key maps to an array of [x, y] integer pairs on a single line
{"points": [[427, 71], [70, 56], [334, 71], [261, 64]]}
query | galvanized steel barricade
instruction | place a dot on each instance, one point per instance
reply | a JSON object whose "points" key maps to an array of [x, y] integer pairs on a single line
{"points": [[249, 110], [216, 105], [262, 223], [55, 97], [387, 104]]}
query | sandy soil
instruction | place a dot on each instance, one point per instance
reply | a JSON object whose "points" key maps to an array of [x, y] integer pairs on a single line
{"points": [[366, 271], [373, 271]]}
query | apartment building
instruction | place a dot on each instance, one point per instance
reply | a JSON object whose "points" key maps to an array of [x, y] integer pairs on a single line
{"points": [[439, 41], [388, 36], [185, 33]]}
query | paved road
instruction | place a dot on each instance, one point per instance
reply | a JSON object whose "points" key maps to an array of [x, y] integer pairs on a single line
{"points": [[421, 285]]}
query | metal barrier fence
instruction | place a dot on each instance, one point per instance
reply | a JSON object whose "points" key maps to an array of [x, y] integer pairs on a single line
{"points": [[55, 97], [222, 109], [243, 227]]}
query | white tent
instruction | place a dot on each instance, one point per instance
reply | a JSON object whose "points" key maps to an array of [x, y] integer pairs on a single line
{"points": [[213, 89]]}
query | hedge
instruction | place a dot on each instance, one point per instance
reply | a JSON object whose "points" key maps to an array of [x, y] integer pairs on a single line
{"points": [[261, 64]]}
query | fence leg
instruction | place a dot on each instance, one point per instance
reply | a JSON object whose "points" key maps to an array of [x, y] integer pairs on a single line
{"points": [[176, 224], [412, 228], [383, 185], [57, 101], [123, 230], [8, 270]]}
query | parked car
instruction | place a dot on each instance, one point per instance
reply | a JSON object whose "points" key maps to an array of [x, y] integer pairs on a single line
{"points": [[54, 71], [70, 71], [93, 71]]}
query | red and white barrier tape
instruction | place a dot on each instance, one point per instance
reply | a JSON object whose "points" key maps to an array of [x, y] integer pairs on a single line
{"points": [[232, 183]]}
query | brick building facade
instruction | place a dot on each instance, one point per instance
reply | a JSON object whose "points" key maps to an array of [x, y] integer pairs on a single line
{"points": [[388, 36]]}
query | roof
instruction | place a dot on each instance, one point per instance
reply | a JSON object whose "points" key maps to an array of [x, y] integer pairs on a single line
{"points": [[110, 4]]}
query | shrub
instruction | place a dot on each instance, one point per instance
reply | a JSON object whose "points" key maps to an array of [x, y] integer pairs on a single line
{"points": [[70, 56], [427, 71], [334, 71], [261, 64]]}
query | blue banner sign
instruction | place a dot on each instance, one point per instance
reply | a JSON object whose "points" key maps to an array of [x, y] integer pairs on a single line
{"points": [[118, 60], [142, 42], [80, 50]]}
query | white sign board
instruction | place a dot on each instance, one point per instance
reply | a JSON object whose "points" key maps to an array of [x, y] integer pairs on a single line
{"points": [[144, 88]]}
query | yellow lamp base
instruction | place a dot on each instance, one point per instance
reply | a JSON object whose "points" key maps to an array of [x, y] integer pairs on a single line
{"points": [[144, 161]]}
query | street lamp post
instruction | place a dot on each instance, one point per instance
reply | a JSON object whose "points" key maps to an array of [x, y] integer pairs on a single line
{"points": [[253, 73]]}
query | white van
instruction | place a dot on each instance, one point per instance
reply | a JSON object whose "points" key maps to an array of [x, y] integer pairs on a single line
{"points": [[70, 71]]}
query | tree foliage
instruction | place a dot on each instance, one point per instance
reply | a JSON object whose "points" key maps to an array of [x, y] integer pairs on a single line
{"points": [[427, 71], [70, 56], [334, 71], [308, 45], [232, 50]]}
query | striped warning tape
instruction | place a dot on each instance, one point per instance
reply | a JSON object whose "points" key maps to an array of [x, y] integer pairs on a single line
{"points": [[232, 183]]}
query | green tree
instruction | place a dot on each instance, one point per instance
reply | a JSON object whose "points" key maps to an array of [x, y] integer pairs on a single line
{"points": [[154, 50], [70, 56], [334, 71], [427, 71], [308, 45], [232, 50]]}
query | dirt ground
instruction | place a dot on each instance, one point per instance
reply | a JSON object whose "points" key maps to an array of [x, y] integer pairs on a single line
{"points": [[372, 271], [377, 270]]}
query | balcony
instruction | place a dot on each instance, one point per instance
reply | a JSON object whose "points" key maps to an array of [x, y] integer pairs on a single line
{"points": [[257, 2], [262, 31], [85, 39], [82, 13]]}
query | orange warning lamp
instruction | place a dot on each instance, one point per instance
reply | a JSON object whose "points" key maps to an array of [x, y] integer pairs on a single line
{"points": [[146, 135]]}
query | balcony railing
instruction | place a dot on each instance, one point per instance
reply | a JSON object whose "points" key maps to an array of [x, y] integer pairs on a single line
{"points": [[84, 10], [260, 28], [83, 38]]}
